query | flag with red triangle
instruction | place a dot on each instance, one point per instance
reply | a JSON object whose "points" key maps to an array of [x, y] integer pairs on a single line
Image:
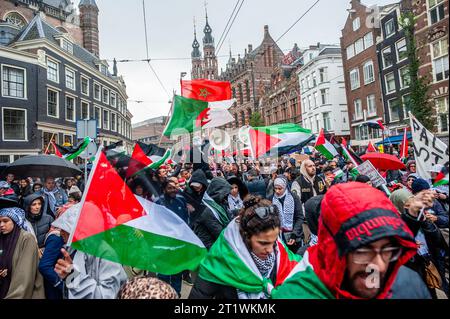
{"points": [[116, 225], [145, 155], [371, 148]]}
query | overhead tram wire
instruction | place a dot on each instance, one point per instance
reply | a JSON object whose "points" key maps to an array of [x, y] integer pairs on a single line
{"points": [[232, 22], [228, 22]]}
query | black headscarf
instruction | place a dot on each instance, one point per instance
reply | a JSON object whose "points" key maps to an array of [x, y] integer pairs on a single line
{"points": [[8, 244]]}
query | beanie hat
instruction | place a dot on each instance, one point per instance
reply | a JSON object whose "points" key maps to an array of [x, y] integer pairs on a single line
{"points": [[419, 185]]}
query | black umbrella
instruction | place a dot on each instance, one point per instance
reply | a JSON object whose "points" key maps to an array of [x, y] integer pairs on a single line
{"points": [[8, 202], [3, 167], [43, 165]]}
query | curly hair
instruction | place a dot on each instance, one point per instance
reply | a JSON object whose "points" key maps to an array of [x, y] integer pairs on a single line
{"points": [[250, 225]]}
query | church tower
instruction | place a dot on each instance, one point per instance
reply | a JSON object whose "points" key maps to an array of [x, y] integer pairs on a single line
{"points": [[196, 57], [89, 25], [210, 66]]}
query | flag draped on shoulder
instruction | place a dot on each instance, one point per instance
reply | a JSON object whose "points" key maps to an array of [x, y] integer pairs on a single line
{"points": [[189, 115], [229, 263], [325, 147], [116, 225], [278, 139], [206, 90]]}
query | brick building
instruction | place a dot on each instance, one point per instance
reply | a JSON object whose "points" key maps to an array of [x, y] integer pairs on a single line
{"points": [[431, 32], [249, 77], [361, 71], [281, 100]]}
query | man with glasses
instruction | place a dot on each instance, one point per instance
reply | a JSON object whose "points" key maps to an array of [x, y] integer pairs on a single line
{"points": [[362, 246]]}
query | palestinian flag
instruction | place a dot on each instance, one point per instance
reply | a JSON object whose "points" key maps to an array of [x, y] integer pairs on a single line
{"points": [[116, 225], [349, 154], [60, 151], [338, 173], [378, 125], [371, 148], [190, 115], [146, 156], [278, 139], [441, 179], [325, 147], [77, 150], [206, 90], [229, 263], [302, 283]]}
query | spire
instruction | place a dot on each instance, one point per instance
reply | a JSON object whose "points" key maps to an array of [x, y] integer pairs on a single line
{"points": [[195, 45], [208, 38], [115, 68]]}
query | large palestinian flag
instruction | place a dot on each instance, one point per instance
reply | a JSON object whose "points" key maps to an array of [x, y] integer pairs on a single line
{"points": [[229, 263], [116, 225], [278, 139]]}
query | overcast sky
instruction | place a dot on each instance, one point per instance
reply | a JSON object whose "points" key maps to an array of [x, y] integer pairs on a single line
{"points": [[170, 33]]}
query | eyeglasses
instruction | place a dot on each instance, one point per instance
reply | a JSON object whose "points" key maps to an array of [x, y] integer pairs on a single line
{"points": [[364, 256]]}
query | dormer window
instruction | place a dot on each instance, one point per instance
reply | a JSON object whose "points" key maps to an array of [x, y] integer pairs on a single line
{"points": [[104, 69], [67, 46]]}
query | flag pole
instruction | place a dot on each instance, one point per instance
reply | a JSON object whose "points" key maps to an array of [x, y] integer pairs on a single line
{"points": [[48, 146]]}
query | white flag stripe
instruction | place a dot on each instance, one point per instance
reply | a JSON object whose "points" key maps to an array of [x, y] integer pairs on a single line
{"points": [[164, 222]]}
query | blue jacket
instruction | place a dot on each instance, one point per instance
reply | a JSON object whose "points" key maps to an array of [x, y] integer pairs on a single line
{"points": [[442, 215], [52, 283], [177, 205]]}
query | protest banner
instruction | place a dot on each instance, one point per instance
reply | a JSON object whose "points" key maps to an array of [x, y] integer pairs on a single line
{"points": [[370, 171]]}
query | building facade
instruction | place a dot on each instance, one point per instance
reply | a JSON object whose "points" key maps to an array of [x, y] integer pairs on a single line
{"points": [[150, 132], [322, 90], [431, 32], [250, 76], [393, 65], [49, 81], [361, 71], [281, 100]]}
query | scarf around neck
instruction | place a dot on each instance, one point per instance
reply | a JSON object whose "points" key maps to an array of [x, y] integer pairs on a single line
{"points": [[51, 197], [235, 202], [286, 210]]}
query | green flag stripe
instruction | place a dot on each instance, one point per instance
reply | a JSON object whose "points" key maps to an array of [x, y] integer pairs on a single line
{"points": [[283, 128], [133, 247], [324, 151], [80, 150]]}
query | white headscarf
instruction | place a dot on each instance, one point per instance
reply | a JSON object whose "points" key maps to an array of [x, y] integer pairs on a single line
{"points": [[287, 208]]}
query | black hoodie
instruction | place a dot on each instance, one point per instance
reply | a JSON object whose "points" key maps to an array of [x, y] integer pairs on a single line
{"points": [[41, 223], [192, 197]]}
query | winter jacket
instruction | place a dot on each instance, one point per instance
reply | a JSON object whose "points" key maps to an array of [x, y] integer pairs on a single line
{"points": [[41, 223], [299, 218], [52, 283], [353, 215], [257, 186], [26, 281], [176, 205], [409, 285], [205, 224], [193, 198]]}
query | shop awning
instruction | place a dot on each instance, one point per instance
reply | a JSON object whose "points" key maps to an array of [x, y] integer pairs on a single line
{"points": [[394, 140]]}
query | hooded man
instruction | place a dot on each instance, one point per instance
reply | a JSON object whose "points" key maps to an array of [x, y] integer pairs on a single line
{"points": [[308, 184], [215, 217], [362, 245], [193, 194]]}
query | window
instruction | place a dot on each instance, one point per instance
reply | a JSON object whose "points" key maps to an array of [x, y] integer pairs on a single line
{"points": [[105, 119], [371, 106], [323, 75], [97, 92], [389, 28], [316, 99], [84, 110], [14, 82], [70, 79], [304, 104], [394, 110], [302, 85], [405, 79], [15, 19], [325, 95], [67, 46], [4, 159], [369, 76], [406, 100], [358, 109], [119, 124], [440, 60], [317, 122], [98, 116], [14, 124], [388, 59], [310, 103], [402, 51], [436, 10], [70, 109], [356, 24], [442, 113], [359, 46], [52, 103], [85, 86], [113, 99], [314, 79], [52, 71], [327, 121], [308, 82], [247, 90], [390, 82], [241, 95], [113, 122], [354, 79], [105, 96], [68, 139], [368, 40], [350, 51]]}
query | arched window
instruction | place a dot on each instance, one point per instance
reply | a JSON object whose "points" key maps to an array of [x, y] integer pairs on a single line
{"points": [[247, 89], [16, 19]]}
